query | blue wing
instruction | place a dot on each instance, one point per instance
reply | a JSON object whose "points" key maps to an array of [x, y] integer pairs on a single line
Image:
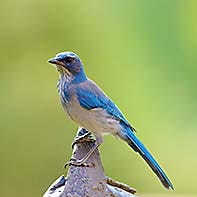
{"points": [[90, 99]]}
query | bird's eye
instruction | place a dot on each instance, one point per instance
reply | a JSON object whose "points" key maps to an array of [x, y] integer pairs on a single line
{"points": [[69, 59]]}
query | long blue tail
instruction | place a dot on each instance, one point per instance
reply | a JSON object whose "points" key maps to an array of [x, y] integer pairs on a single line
{"points": [[135, 143]]}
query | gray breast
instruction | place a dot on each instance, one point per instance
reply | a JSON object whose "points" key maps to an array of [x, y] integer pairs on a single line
{"points": [[63, 90]]}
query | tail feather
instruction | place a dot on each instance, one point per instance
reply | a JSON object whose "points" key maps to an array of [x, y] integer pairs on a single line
{"points": [[135, 143]]}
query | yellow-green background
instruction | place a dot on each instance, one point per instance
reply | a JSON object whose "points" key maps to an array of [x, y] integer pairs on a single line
{"points": [[141, 52]]}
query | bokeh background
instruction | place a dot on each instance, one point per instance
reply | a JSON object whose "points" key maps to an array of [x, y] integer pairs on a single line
{"points": [[142, 53]]}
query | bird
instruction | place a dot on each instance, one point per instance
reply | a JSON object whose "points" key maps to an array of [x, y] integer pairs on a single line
{"points": [[88, 106]]}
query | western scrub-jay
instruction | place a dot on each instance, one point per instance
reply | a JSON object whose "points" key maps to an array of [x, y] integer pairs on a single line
{"points": [[90, 108]]}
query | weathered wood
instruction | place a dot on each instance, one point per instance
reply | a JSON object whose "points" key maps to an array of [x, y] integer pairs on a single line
{"points": [[88, 180]]}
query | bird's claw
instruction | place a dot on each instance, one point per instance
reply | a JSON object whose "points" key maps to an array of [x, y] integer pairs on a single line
{"points": [[74, 162], [84, 138], [69, 162]]}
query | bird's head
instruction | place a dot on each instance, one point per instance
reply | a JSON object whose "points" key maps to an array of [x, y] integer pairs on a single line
{"points": [[67, 63]]}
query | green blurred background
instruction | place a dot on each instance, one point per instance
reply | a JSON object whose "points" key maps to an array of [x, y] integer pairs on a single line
{"points": [[142, 53]]}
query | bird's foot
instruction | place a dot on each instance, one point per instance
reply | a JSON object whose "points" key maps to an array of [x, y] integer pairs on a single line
{"points": [[79, 163], [87, 137]]}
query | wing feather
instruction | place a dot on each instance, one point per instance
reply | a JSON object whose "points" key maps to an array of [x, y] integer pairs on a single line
{"points": [[94, 98]]}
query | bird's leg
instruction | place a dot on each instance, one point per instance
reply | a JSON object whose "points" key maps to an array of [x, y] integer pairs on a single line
{"points": [[83, 137], [81, 162]]}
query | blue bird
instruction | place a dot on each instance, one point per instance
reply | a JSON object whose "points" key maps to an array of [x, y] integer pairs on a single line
{"points": [[90, 108]]}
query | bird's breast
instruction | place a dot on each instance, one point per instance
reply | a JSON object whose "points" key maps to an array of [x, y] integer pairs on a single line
{"points": [[63, 91]]}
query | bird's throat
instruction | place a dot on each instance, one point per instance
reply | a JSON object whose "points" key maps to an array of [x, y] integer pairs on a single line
{"points": [[63, 70]]}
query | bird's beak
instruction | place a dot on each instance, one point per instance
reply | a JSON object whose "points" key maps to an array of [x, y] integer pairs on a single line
{"points": [[61, 67], [56, 61]]}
